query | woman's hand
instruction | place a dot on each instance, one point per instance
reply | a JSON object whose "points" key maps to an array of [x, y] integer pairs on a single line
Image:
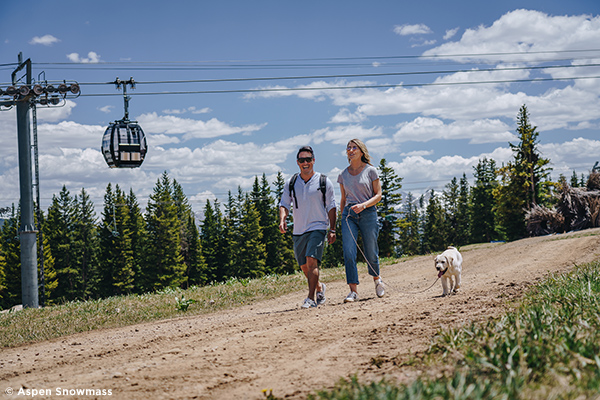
{"points": [[357, 208]]}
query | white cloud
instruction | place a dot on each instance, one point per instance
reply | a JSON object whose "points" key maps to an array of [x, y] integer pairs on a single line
{"points": [[422, 174], [342, 134], [525, 31], [417, 29], [55, 113], [92, 58], [106, 109], [56, 138], [231, 163], [191, 128], [345, 116], [577, 154], [417, 153], [450, 33], [192, 110], [204, 110], [46, 40], [423, 129]]}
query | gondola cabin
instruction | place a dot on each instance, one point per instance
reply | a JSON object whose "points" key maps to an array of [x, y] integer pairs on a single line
{"points": [[124, 145]]}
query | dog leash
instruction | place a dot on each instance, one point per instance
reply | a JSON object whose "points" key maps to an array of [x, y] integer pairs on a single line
{"points": [[373, 269]]}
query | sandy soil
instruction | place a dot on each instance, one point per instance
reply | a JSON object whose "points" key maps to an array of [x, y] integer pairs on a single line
{"points": [[276, 345]]}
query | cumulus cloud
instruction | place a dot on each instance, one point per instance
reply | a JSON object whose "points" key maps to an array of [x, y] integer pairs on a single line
{"points": [[576, 154], [69, 134], [92, 58], [192, 110], [106, 109], [46, 40], [524, 31], [191, 128], [450, 33], [54, 114], [416, 29], [341, 134], [423, 129], [346, 116]]}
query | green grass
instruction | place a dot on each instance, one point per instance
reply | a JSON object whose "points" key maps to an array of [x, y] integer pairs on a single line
{"points": [[547, 347]]}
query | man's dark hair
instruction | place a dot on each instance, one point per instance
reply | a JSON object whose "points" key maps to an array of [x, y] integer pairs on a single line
{"points": [[305, 148]]}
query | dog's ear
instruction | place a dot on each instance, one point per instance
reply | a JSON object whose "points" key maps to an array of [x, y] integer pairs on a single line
{"points": [[449, 260]]}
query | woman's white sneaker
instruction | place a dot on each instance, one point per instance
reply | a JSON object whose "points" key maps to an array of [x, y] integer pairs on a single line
{"points": [[352, 297], [379, 288]]}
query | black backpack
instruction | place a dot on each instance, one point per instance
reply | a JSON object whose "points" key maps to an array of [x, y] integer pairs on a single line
{"points": [[322, 187]]}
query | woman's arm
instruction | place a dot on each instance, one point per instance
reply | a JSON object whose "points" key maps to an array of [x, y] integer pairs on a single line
{"points": [[373, 200], [343, 200]]}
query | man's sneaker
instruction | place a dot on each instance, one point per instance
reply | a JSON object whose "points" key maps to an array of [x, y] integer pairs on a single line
{"points": [[352, 297], [379, 288], [308, 303], [321, 295]]}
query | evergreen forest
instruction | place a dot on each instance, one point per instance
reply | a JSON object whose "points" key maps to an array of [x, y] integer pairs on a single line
{"points": [[126, 250]]}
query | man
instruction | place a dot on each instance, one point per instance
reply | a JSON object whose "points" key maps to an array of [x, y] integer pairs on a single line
{"points": [[313, 212]]}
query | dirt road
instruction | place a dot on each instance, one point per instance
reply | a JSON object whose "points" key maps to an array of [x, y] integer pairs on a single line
{"points": [[275, 345]]}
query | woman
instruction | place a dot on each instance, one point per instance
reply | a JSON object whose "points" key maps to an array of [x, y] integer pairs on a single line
{"points": [[361, 190]]}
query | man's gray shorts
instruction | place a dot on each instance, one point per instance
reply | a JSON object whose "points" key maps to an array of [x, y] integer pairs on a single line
{"points": [[309, 244]]}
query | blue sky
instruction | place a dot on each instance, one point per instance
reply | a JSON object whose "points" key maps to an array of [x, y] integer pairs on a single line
{"points": [[413, 75]]}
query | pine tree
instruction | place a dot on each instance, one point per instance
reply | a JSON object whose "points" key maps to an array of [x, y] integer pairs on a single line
{"points": [[59, 229], [509, 206], [164, 267], [136, 225], [2, 277], [284, 242], [277, 254], [189, 238], [250, 255], [211, 237], [333, 256], [10, 250], [481, 214], [529, 163], [231, 235], [50, 278], [196, 266], [409, 233], [388, 215], [450, 205], [574, 180], [463, 224], [525, 180], [116, 273], [434, 234], [85, 242]]}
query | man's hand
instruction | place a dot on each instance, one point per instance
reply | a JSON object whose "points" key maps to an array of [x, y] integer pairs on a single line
{"points": [[331, 237]]}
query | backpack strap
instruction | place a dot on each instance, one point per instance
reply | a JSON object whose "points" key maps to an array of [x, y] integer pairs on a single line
{"points": [[292, 190], [322, 187]]}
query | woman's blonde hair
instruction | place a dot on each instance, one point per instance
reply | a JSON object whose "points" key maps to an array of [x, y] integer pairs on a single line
{"points": [[366, 158]]}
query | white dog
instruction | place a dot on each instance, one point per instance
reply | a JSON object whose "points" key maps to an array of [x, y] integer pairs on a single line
{"points": [[449, 264]]}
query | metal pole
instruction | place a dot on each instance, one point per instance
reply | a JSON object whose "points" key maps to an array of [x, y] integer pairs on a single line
{"points": [[27, 231], [42, 281]]}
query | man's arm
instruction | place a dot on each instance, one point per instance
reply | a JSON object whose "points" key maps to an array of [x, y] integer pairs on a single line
{"points": [[283, 213], [332, 220]]}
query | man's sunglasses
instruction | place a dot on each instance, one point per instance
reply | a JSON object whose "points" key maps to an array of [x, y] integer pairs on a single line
{"points": [[302, 160]]}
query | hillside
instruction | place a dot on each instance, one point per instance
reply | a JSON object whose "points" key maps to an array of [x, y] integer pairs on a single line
{"points": [[275, 345]]}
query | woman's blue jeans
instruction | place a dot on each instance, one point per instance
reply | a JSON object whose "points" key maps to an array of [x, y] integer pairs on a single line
{"points": [[365, 222]]}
